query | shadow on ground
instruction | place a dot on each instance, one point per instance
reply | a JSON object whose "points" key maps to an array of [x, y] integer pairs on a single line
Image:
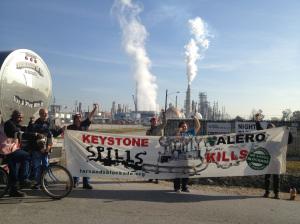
{"points": [[165, 196], [30, 199], [157, 195]]}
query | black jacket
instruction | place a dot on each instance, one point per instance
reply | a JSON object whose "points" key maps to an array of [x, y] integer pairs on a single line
{"points": [[43, 127], [12, 130], [84, 125], [258, 125]]}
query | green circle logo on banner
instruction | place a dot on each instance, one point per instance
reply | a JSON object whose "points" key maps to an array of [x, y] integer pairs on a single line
{"points": [[258, 159]]}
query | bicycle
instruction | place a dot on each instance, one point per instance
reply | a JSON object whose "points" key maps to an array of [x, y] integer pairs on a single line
{"points": [[56, 181], [4, 181]]}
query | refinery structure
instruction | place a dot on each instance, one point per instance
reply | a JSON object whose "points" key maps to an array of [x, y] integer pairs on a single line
{"points": [[208, 110], [123, 114]]}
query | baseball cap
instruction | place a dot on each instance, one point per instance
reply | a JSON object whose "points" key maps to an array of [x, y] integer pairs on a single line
{"points": [[153, 119], [77, 115]]}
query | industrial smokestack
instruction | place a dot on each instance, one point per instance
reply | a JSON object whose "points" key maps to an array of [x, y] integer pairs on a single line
{"points": [[188, 101]]}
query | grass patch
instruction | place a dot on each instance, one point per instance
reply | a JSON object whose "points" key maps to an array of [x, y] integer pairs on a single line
{"points": [[293, 166]]}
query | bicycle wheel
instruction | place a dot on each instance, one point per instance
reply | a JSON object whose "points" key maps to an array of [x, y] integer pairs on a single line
{"points": [[3, 182], [56, 181]]}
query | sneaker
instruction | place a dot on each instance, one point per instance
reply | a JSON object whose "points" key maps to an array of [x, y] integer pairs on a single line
{"points": [[276, 196], [266, 195], [177, 190], [87, 186], [186, 190], [75, 184], [36, 187], [16, 193]]}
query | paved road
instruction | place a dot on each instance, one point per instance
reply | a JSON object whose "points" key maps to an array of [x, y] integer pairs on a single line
{"points": [[143, 203], [136, 202]]}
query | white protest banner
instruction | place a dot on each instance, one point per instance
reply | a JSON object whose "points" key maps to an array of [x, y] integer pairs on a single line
{"points": [[121, 156], [248, 126], [218, 127]]}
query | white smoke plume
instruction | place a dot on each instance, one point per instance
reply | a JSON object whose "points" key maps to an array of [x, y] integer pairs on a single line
{"points": [[134, 37], [196, 47]]}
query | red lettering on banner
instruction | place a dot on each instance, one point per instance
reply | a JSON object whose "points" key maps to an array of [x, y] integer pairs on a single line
{"points": [[243, 154], [233, 156], [102, 139], [86, 138], [118, 141], [210, 157], [136, 142], [110, 140], [127, 142], [94, 139], [145, 142], [224, 159]]}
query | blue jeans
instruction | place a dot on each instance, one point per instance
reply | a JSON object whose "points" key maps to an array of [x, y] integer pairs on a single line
{"points": [[85, 180], [39, 161], [15, 160], [181, 181], [276, 183]]}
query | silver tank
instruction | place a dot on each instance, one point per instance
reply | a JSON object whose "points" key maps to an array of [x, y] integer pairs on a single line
{"points": [[25, 83]]}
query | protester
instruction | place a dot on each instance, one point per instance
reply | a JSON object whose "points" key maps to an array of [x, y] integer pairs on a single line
{"points": [[80, 125], [276, 178], [13, 130], [184, 131], [156, 130], [40, 152], [258, 119]]}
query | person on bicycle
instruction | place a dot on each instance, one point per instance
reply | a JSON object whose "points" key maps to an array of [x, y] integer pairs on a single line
{"points": [[40, 150], [13, 129], [80, 125]]}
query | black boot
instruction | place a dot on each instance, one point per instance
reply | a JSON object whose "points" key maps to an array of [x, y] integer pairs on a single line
{"points": [[88, 186], [15, 193], [276, 195], [266, 194], [27, 184]]}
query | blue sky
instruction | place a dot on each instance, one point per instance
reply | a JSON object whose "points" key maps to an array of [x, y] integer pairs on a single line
{"points": [[253, 61]]}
